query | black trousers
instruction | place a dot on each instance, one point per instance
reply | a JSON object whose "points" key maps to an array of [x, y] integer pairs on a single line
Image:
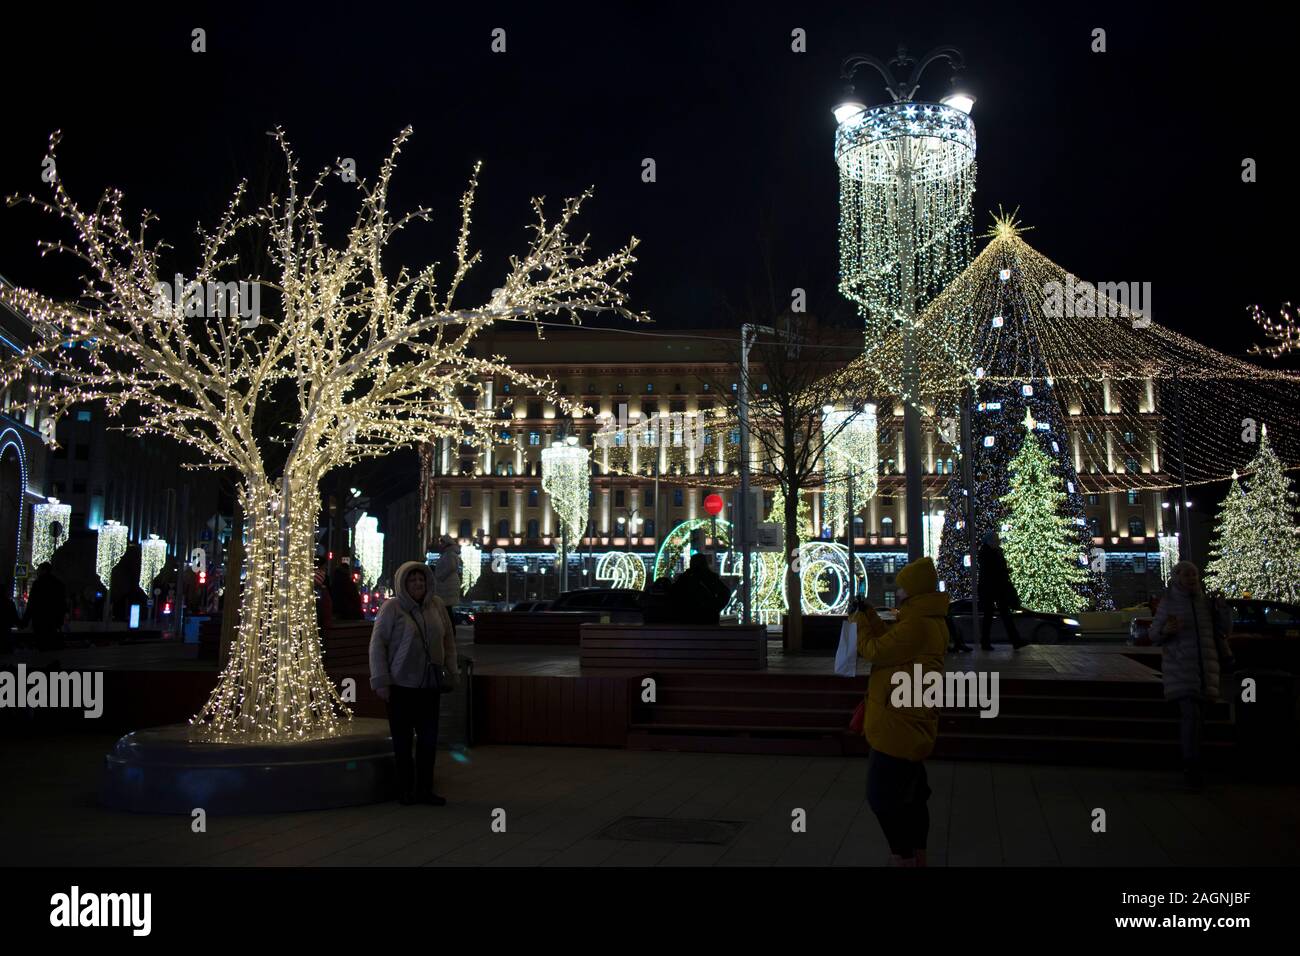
{"points": [[898, 793], [1191, 711], [1003, 607], [414, 711]]}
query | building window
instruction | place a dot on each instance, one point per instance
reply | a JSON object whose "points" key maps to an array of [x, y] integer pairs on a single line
{"points": [[649, 387], [648, 497], [534, 438], [505, 388], [83, 416], [564, 389], [464, 527], [503, 528], [534, 410], [619, 388], [503, 499], [1130, 437], [1094, 527], [704, 387], [620, 498], [465, 499], [1137, 527], [734, 437], [763, 387], [887, 526], [1131, 465], [1139, 564], [532, 529], [1093, 500], [1133, 496], [649, 531], [890, 599], [678, 498], [859, 527], [533, 497], [735, 386]]}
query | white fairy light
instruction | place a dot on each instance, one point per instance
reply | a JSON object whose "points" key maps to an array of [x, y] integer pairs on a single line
{"points": [[853, 445], [471, 564], [369, 543], [153, 556], [622, 569], [50, 521], [566, 476], [109, 548], [379, 359]]}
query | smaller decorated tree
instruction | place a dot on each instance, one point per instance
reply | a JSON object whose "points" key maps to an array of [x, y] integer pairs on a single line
{"points": [[1256, 546], [1040, 542]]}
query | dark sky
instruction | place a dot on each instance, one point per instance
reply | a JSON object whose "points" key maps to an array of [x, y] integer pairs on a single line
{"points": [[1127, 163]]}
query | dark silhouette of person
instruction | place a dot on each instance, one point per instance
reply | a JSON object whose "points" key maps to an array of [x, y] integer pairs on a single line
{"points": [[124, 585], [997, 592], [47, 608], [324, 604], [344, 594], [9, 619], [658, 604], [698, 595]]}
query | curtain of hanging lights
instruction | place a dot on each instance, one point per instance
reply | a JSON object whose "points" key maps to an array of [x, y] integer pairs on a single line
{"points": [[566, 476], [854, 446], [934, 145]]}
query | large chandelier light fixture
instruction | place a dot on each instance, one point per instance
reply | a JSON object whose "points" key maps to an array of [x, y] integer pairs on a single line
{"points": [[851, 451], [907, 175], [110, 547], [153, 555], [566, 476], [50, 521], [369, 541]]}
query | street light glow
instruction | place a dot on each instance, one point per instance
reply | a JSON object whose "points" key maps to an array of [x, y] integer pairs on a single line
{"points": [[959, 101]]}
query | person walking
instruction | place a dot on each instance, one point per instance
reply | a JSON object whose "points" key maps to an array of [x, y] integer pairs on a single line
{"points": [[47, 609], [345, 597], [997, 592], [1185, 628], [901, 736], [446, 571], [698, 594], [412, 661]]}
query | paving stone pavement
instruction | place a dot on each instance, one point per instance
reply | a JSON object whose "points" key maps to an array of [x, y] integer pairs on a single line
{"points": [[558, 800]]}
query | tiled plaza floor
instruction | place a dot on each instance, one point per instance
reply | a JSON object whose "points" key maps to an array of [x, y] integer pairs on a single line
{"points": [[558, 800]]}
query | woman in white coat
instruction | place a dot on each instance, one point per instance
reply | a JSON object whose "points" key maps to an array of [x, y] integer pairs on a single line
{"points": [[413, 636], [1186, 630]]}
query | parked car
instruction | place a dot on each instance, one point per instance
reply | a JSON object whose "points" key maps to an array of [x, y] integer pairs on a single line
{"points": [[460, 614], [620, 605], [1038, 627], [1264, 619], [531, 606]]}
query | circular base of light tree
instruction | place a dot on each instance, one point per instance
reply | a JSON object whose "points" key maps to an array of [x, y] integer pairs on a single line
{"points": [[161, 770]]}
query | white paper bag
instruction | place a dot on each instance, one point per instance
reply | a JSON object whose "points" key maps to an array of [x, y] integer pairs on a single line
{"points": [[846, 655]]}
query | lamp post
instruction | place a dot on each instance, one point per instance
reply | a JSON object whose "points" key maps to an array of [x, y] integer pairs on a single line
{"points": [[907, 173]]}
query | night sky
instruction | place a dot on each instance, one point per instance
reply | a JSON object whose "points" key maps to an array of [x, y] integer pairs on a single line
{"points": [[1127, 163]]}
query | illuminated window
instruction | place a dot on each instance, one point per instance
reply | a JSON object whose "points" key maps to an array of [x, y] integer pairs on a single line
{"points": [[465, 497], [533, 497]]}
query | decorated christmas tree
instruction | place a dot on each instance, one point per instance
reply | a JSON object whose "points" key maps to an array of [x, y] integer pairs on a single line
{"points": [[1039, 541], [997, 319], [1256, 547]]}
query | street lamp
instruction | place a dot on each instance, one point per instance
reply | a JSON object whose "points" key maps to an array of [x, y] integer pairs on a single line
{"points": [[907, 174]]}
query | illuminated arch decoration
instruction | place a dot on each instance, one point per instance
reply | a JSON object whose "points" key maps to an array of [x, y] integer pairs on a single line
{"points": [[109, 548], [669, 558], [11, 438], [623, 569], [767, 601], [50, 521], [825, 563]]}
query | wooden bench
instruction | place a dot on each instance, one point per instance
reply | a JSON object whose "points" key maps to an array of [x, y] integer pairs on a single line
{"points": [[674, 647], [531, 627], [346, 647]]}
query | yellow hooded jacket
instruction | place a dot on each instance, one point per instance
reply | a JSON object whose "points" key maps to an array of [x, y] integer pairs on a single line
{"points": [[919, 636]]}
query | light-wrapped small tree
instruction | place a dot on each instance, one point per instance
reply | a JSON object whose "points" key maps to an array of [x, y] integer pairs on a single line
{"points": [[374, 359]]}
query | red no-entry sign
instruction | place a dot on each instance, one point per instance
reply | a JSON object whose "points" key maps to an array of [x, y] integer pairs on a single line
{"points": [[713, 505]]}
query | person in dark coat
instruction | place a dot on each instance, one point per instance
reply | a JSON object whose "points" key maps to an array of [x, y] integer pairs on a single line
{"points": [[658, 604], [997, 592], [344, 595], [698, 595], [124, 585], [47, 608], [9, 618], [324, 605]]}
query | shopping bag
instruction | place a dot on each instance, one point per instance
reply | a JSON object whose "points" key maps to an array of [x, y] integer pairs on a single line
{"points": [[846, 655]]}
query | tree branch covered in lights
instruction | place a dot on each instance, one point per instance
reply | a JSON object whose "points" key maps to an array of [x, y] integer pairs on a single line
{"points": [[1282, 332], [375, 358]]}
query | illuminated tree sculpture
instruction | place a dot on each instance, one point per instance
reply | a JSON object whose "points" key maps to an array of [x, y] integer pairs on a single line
{"points": [[372, 358], [1040, 541]]}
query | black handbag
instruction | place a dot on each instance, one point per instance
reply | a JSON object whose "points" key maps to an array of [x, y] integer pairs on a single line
{"points": [[442, 679]]}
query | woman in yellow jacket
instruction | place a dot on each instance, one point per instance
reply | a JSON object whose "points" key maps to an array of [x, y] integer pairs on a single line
{"points": [[901, 737]]}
